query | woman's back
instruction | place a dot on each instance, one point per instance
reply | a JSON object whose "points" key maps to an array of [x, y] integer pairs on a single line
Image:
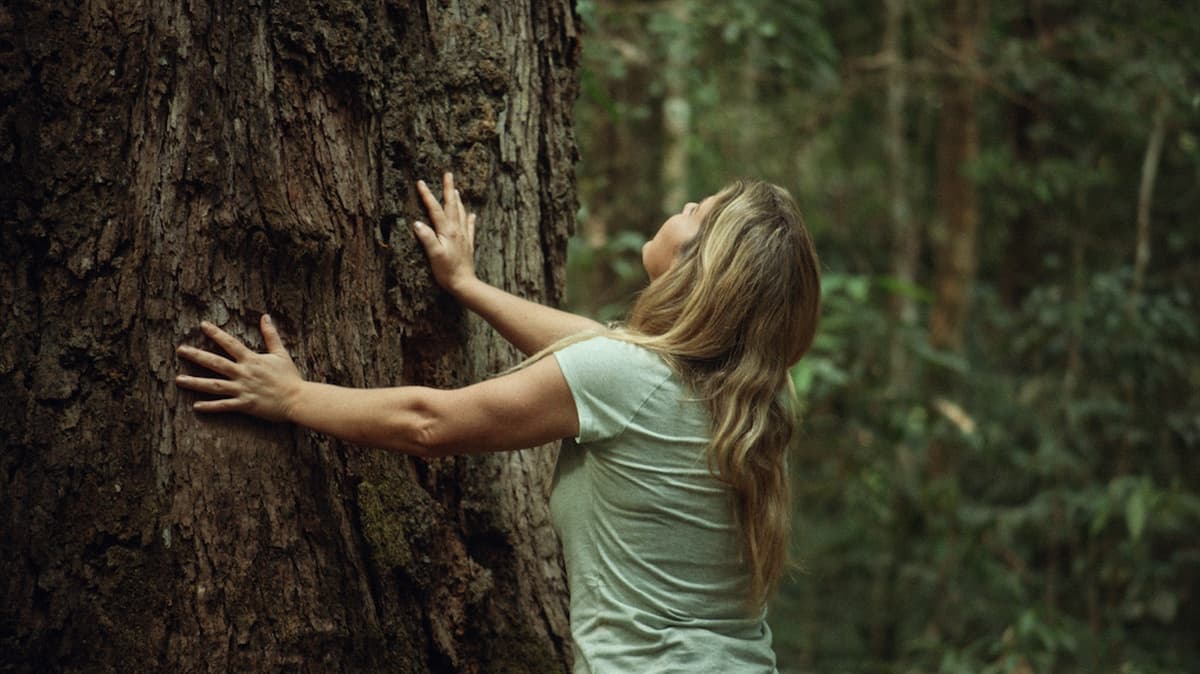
{"points": [[652, 551]]}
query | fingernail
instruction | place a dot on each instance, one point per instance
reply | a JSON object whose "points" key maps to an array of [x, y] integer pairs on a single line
{"points": [[421, 183], [267, 318]]}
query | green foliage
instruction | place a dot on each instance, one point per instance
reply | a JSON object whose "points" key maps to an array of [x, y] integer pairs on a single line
{"points": [[1026, 504], [1060, 539], [612, 273]]}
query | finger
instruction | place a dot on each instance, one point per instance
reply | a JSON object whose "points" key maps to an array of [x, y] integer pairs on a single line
{"points": [[232, 345], [436, 215], [208, 360], [448, 191], [222, 405], [460, 210], [221, 387], [471, 228], [427, 237], [271, 336]]}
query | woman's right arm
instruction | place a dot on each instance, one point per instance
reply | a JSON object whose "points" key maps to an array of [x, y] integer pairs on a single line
{"points": [[450, 245], [521, 409]]}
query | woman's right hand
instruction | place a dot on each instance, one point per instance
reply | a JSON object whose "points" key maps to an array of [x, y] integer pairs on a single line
{"points": [[450, 243]]}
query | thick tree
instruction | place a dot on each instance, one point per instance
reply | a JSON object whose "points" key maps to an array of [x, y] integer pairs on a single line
{"points": [[164, 163]]}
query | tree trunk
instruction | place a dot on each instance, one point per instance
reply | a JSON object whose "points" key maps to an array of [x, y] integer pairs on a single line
{"points": [[953, 233], [1141, 255], [957, 202], [163, 163], [676, 108]]}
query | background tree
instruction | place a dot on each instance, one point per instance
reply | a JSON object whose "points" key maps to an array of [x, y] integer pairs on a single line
{"points": [[164, 163], [957, 218]]}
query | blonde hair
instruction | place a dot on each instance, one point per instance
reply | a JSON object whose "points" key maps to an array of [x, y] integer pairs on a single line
{"points": [[737, 308]]}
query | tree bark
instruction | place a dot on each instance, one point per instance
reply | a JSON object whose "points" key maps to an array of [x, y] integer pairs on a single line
{"points": [[164, 163]]}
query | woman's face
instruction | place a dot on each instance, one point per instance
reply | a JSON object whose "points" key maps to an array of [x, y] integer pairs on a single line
{"points": [[660, 252]]}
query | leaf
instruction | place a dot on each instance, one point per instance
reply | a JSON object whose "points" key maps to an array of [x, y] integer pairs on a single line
{"points": [[802, 380], [858, 288], [905, 289], [1135, 512], [947, 359]]}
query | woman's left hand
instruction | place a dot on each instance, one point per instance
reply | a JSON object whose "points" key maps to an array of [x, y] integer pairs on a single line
{"points": [[260, 384]]}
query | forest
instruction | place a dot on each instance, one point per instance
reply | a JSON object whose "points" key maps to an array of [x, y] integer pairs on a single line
{"points": [[998, 467], [996, 471]]}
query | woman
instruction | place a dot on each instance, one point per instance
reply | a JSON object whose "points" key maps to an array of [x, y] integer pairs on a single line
{"points": [[670, 494]]}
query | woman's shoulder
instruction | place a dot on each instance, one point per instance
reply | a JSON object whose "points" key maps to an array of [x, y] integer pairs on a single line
{"points": [[616, 353], [605, 362], [610, 379]]}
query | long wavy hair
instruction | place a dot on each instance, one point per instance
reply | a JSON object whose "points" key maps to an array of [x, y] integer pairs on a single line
{"points": [[735, 311]]}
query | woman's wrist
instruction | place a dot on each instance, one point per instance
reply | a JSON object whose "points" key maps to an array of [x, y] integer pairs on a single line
{"points": [[293, 402], [462, 287]]}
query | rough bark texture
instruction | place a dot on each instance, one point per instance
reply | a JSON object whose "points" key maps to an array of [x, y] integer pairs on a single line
{"points": [[163, 163]]}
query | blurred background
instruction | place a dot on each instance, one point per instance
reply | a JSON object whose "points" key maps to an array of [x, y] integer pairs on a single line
{"points": [[998, 470]]}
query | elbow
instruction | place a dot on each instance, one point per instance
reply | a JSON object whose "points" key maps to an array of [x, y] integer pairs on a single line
{"points": [[422, 431], [428, 442]]}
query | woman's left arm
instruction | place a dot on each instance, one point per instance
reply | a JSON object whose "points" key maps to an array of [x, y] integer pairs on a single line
{"points": [[522, 409]]}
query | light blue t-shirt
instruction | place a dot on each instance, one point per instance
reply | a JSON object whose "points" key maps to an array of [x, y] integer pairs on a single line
{"points": [[651, 550]]}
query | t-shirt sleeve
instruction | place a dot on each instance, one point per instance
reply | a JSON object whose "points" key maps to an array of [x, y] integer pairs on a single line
{"points": [[609, 380]]}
